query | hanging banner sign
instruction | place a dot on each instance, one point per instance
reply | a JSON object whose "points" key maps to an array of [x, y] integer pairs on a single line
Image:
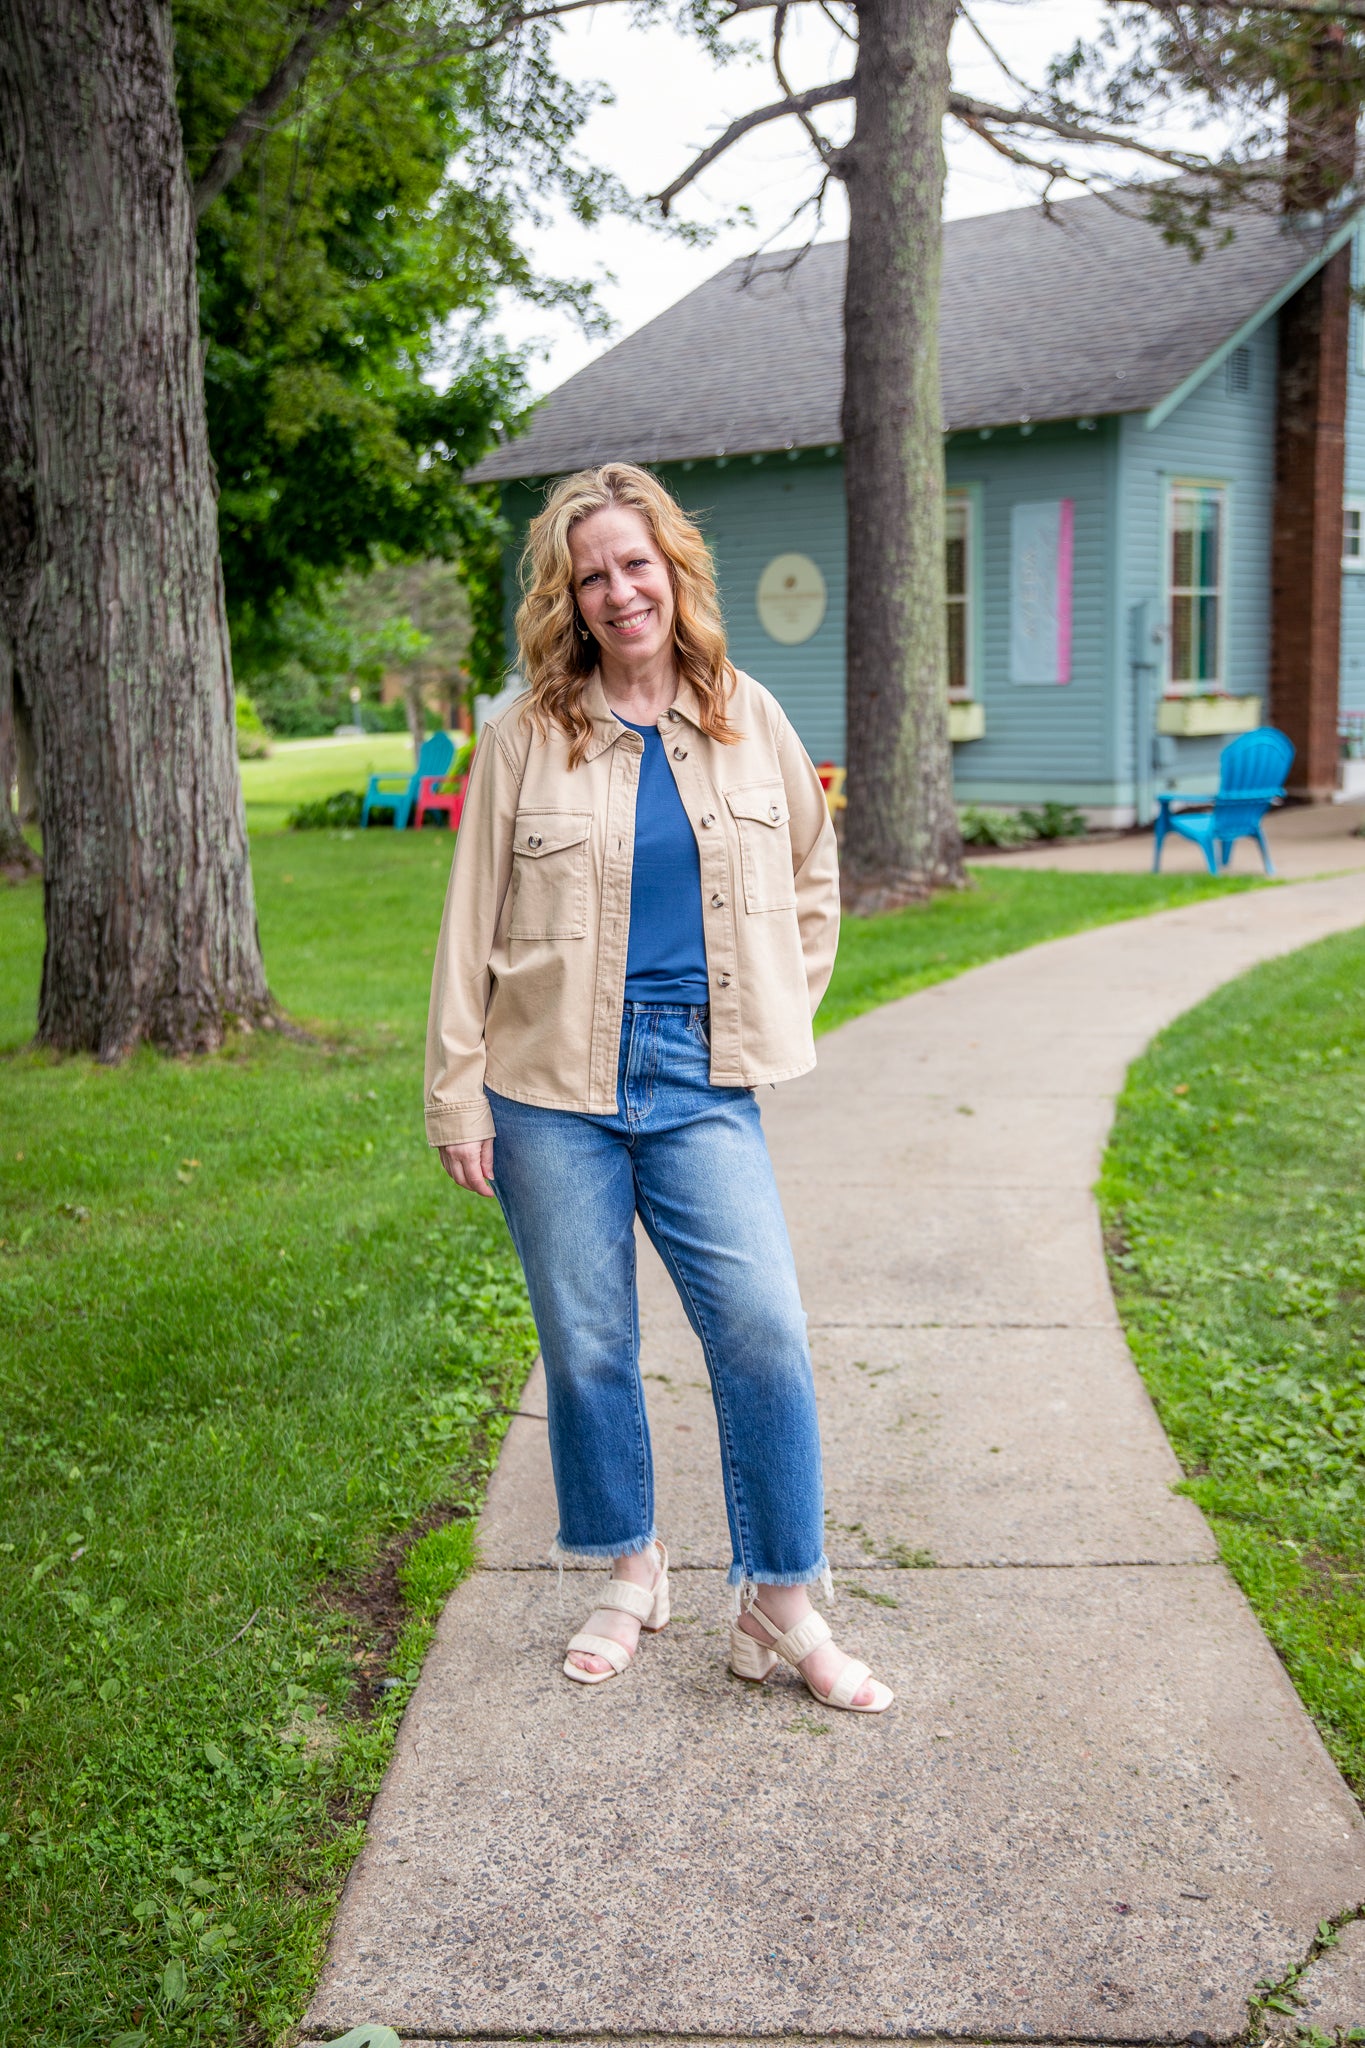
{"points": [[1040, 591]]}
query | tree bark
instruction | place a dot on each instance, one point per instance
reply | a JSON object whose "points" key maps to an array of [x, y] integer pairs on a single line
{"points": [[109, 577], [17, 858], [901, 831]]}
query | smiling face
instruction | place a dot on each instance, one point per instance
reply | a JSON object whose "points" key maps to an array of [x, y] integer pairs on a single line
{"points": [[623, 587]]}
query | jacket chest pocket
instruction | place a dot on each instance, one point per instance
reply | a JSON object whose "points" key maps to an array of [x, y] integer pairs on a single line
{"points": [[550, 875], [765, 846]]}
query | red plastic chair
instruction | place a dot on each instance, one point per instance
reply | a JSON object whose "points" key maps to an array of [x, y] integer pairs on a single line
{"points": [[448, 803]]}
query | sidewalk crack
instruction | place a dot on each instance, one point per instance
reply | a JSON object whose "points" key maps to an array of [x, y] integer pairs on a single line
{"points": [[1280, 1998]]}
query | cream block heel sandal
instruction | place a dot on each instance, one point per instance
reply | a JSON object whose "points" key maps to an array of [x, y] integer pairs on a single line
{"points": [[754, 1660], [648, 1604]]}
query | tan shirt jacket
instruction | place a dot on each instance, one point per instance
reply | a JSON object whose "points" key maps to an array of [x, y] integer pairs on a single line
{"points": [[529, 982]]}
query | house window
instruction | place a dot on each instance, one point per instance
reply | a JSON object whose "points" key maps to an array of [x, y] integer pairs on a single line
{"points": [[1353, 534], [960, 572], [1198, 529]]}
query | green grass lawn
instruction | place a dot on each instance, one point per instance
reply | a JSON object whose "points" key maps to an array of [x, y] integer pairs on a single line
{"points": [[301, 771], [258, 1336], [1234, 1198]]}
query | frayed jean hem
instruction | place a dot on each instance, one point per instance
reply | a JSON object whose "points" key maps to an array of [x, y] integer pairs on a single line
{"points": [[562, 1553], [818, 1575]]}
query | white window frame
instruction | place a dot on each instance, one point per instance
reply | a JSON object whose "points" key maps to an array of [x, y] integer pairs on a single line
{"points": [[963, 502], [1353, 564], [1215, 487]]}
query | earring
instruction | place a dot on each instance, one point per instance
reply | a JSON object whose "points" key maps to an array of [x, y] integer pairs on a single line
{"points": [[583, 632]]}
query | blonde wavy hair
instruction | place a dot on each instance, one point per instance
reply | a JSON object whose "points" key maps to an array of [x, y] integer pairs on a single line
{"points": [[558, 660]]}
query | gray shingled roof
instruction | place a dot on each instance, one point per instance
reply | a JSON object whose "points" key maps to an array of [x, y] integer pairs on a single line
{"points": [[1087, 312]]}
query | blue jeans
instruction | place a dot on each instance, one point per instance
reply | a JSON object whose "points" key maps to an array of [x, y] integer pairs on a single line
{"points": [[692, 1161]]}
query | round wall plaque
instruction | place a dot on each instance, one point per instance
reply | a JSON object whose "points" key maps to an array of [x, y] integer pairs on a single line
{"points": [[791, 599]]}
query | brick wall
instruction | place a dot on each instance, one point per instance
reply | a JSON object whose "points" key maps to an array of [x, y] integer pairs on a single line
{"points": [[1310, 468]]}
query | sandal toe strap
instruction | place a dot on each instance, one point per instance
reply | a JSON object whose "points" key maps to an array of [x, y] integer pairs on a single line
{"points": [[615, 1653], [624, 1598], [848, 1684], [807, 1635]]}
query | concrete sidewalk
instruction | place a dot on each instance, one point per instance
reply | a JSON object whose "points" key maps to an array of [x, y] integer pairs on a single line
{"points": [[1305, 840], [1097, 1812]]}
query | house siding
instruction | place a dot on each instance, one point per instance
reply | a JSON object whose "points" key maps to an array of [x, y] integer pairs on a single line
{"points": [[1092, 741], [750, 510], [1216, 436], [1041, 740]]}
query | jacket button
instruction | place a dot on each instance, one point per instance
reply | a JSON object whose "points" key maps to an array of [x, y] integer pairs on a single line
{"points": [[718, 903], [679, 753], [774, 813], [673, 713], [535, 840], [722, 981], [709, 819]]}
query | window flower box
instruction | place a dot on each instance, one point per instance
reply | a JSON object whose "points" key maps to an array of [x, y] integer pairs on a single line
{"points": [[1199, 717], [966, 721]]}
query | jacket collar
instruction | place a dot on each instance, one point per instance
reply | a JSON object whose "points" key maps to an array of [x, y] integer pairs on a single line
{"points": [[607, 727]]}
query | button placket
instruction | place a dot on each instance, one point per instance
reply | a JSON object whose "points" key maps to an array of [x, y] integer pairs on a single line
{"points": [[622, 788]]}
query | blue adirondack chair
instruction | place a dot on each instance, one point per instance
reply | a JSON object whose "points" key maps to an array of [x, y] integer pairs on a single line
{"points": [[1251, 777], [398, 793]]}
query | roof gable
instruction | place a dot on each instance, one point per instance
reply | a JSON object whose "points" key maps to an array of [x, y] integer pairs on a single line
{"points": [[1072, 312]]}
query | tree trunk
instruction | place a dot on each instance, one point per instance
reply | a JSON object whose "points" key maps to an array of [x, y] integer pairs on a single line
{"points": [[415, 709], [901, 831], [109, 574], [17, 858]]}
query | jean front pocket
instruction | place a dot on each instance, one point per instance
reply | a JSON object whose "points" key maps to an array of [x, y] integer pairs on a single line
{"points": [[699, 1026], [550, 875]]}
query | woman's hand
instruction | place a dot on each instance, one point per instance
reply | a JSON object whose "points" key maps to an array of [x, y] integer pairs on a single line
{"points": [[470, 1166]]}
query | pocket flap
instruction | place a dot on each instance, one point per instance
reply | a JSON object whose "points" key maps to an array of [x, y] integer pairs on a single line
{"points": [[540, 832], [764, 802]]}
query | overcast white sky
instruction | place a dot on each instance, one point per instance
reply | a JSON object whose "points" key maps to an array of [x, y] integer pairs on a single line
{"points": [[671, 100]]}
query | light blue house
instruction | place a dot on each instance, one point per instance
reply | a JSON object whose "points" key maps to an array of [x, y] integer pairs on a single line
{"points": [[1140, 449]]}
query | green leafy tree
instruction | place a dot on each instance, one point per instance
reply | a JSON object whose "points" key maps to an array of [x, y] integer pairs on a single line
{"points": [[346, 283], [390, 148]]}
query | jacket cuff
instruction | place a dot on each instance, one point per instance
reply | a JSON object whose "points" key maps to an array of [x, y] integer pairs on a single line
{"points": [[459, 1123]]}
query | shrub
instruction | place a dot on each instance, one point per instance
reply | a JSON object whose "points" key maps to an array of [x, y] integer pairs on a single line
{"points": [[982, 827], [1055, 821], [253, 741], [339, 812]]}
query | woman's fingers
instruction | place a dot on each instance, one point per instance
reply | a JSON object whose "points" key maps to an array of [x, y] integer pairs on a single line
{"points": [[469, 1166]]}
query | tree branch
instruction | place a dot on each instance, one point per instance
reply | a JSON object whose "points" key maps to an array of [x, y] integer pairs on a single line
{"points": [[976, 113], [226, 160], [1323, 10], [817, 141], [795, 103]]}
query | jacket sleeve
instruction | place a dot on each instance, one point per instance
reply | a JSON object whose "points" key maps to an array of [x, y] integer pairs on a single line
{"points": [[815, 858], [456, 1107]]}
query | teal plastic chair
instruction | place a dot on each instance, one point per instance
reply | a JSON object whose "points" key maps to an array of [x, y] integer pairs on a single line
{"points": [[1251, 777], [398, 793]]}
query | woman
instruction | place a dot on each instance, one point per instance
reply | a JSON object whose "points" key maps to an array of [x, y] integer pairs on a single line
{"points": [[642, 917]]}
